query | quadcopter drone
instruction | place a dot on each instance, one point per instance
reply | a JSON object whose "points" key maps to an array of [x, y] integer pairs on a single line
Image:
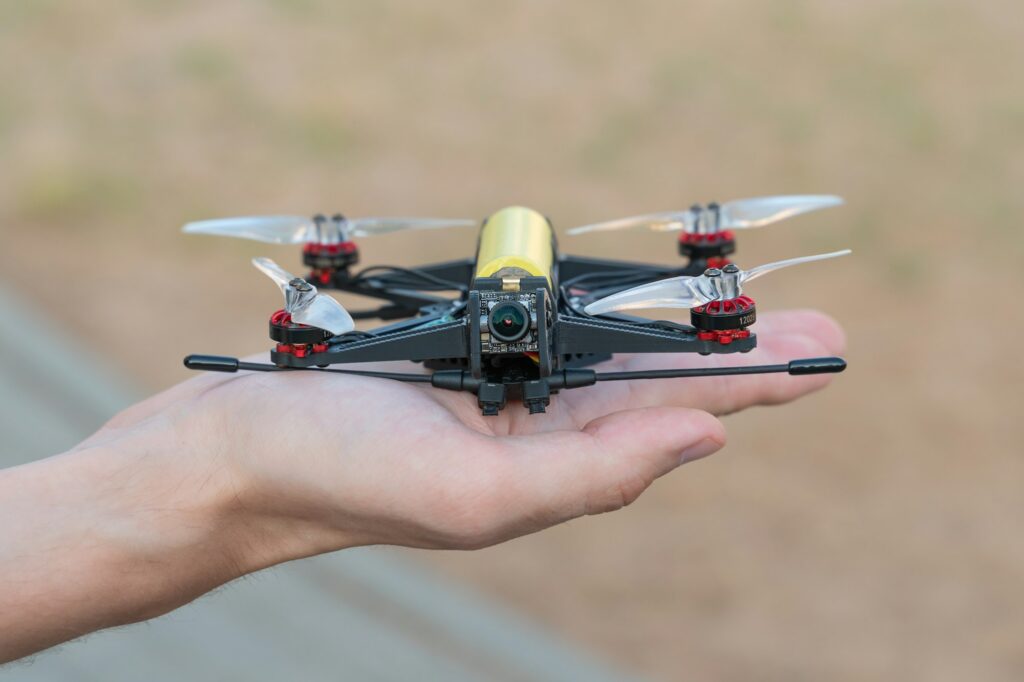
{"points": [[520, 320]]}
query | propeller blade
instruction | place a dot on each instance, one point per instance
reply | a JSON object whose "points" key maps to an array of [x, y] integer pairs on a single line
{"points": [[275, 272], [298, 230], [324, 312], [690, 292], [761, 211], [304, 303], [278, 229], [754, 273], [739, 214], [365, 227], [674, 292], [667, 221]]}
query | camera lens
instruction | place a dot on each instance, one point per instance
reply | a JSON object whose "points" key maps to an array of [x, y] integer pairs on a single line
{"points": [[509, 321]]}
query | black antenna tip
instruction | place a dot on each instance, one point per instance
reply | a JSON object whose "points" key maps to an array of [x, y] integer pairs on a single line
{"points": [[817, 366], [211, 363]]}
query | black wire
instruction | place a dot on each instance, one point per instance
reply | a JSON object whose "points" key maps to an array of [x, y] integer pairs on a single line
{"points": [[615, 277], [607, 280], [443, 284], [593, 281]]}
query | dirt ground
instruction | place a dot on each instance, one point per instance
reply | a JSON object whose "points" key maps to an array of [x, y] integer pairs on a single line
{"points": [[870, 532]]}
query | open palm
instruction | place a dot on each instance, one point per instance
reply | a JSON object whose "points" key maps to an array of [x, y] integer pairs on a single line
{"points": [[364, 461]]}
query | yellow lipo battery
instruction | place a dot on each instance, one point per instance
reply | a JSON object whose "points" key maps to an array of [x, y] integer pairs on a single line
{"points": [[516, 242]]}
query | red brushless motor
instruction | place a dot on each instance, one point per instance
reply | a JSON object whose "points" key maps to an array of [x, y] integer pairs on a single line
{"points": [[712, 247], [333, 251], [324, 260], [727, 318], [296, 339], [705, 240]]}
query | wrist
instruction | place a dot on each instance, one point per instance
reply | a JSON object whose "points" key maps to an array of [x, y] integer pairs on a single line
{"points": [[166, 514], [176, 494], [105, 535], [166, 528], [134, 523]]}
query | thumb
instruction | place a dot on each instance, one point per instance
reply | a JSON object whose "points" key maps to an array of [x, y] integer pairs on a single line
{"points": [[607, 464]]}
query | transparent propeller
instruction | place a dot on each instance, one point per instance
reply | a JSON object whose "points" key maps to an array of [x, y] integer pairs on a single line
{"points": [[732, 215], [690, 292], [304, 303], [284, 229]]}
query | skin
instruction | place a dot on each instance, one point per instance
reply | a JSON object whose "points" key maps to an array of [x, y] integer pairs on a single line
{"points": [[226, 474]]}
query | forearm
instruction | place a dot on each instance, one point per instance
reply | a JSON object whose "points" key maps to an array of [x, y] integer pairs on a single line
{"points": [[120, 532]]}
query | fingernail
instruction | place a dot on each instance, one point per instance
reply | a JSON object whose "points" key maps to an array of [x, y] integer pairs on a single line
{"points": [[704, 448]]}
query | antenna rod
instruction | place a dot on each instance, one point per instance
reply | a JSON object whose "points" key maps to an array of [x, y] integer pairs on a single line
{"points": [[566, 378], [803, 366], [222, 363]]}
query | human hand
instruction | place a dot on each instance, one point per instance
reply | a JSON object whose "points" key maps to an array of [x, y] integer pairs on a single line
{"points": [[225, 474], [346, 460]]}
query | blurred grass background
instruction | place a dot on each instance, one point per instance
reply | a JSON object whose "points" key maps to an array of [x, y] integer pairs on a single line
{"points": [[870, 532]]}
